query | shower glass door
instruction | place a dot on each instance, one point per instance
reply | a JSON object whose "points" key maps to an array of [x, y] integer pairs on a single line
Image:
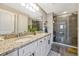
{"points": [[66, 29], [61, 33]]}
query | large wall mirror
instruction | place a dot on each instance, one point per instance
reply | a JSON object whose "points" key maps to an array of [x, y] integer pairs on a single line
{"points": [[12, 24], [6, 22], [22, 23], [35, 25], [17, 24]]}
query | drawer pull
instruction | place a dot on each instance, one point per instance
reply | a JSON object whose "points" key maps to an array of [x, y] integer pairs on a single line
{"points": [[48, 41]]}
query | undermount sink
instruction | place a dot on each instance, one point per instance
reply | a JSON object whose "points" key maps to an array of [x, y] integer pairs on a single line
{"points": [[23, 40], [29, 36]]}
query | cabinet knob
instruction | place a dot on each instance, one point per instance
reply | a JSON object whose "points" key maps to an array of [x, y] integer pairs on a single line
{"points": [[44, 38], [33, 54], [48, 41], [40, 41]]}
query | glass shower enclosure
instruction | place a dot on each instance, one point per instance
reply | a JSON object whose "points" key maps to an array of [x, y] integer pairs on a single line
{"points": [[65, 34], [65, 29]]}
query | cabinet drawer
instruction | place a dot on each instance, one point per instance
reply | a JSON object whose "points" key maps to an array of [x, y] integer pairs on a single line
{"points": [[23, 51]]}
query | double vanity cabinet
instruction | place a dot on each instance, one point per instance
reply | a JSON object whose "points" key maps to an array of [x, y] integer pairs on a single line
{"points": [[39, 47]]}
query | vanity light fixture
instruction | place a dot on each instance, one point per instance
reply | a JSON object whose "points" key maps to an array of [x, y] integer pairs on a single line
{"points": [[23, 4], [64, 12], [53, 21], [34, 6], [27, 5], [31, 6]]}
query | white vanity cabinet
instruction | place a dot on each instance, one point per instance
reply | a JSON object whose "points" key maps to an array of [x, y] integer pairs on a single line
{"points": [[43, 46], [28, 50], [14, 53]]}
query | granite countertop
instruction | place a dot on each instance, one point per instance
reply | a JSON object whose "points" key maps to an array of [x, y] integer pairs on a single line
{"points": [[6, 46]]}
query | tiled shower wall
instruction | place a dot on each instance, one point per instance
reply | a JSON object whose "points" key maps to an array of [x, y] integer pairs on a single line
{"points": [[73, 29]]}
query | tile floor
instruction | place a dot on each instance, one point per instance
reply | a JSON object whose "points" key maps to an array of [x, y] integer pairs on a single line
{"points": [[58, 50], [53, 53]]}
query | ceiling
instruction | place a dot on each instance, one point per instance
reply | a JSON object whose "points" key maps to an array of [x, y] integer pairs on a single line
{"points": [[58, 7]]}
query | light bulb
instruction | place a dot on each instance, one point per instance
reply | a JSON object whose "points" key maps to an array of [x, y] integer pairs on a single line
{"points": [[23, 4]]}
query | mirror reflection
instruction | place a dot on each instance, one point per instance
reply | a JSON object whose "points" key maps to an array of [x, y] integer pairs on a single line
{"points": [[7, 24]]}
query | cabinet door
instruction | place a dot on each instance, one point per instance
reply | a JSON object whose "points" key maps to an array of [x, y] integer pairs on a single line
{"points": [[28, 49], [24, 51], [48, 44], [14, 53], [45, 46], [39, 50]]}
